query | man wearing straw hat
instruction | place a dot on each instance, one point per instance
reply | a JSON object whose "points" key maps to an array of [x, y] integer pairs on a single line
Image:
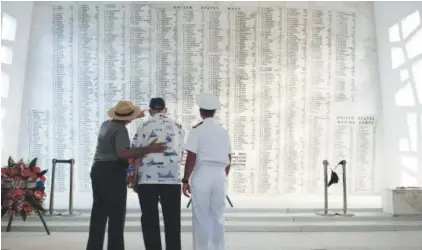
{"points": [[209, 152], [108, 176], [159, 177]]}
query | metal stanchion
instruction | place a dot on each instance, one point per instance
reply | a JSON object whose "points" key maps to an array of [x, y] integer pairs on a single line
{"points": [[52, 190], [52, 187], [325, 163], [343, 166]]}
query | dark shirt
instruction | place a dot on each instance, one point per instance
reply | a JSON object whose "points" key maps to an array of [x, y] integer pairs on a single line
{"points": [[113, 137]]}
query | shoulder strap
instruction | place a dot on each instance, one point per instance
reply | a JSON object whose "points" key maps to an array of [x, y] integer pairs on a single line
{"points": [[197, 125]]}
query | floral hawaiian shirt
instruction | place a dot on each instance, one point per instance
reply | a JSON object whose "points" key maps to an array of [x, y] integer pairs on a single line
{"points": [[160, 168]]}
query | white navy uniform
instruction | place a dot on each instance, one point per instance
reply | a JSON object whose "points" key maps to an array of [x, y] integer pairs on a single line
{"points": [[211, 144]]}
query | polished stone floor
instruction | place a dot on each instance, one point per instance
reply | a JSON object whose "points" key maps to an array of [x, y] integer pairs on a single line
{"points": [[410, 240]]}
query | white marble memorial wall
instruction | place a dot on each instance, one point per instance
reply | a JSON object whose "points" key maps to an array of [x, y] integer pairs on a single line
{"points": [[293, 79]]}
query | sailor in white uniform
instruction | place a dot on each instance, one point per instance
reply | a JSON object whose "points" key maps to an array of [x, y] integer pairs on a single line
{"points": [[209, 152]]}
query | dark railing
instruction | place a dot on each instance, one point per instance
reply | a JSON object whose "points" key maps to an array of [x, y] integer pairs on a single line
{"points": [[71, 162]]}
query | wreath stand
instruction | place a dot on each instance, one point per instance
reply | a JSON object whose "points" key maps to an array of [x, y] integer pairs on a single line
{"points": [[9, 225]]}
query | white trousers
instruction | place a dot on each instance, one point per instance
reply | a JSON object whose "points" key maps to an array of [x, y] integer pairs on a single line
{"points": [[208, 203]]}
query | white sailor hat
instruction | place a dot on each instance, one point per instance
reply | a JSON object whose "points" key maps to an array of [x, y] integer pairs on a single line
{"points": [[207, 101]]}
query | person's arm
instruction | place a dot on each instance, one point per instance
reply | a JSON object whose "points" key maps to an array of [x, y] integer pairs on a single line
{"points": [[125, 152], [189, 166], [135, 168], [192, 149], [228, 166], [230, 158]]}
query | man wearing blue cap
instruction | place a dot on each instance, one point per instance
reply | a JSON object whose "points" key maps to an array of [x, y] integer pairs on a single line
{"points": [[209, 152], [159, 177]]}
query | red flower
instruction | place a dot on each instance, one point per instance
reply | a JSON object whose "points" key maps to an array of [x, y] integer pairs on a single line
{"points": [[20, 164], [11, 193], [37, 169], [14, 172], [26, 173], [20, 192], [39, 195], [27, 209], [7, 203], [4, 171], [42, 178], [33, 176]]}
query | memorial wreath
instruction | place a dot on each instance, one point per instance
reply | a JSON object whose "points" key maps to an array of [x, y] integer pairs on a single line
{"points": [[22, 188]]}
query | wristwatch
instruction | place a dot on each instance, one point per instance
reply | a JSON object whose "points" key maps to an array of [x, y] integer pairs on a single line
{"points": [[184, 181]]}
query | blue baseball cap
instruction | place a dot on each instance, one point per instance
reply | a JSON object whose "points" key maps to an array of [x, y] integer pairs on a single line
{"points": [[157, 103]]}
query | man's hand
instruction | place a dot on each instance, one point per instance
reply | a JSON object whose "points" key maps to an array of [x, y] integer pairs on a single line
{"points": [[186, 189], [142, 114], [155, 147]]}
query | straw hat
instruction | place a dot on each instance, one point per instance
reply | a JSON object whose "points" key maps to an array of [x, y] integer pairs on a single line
{"points": [[125, 111]]}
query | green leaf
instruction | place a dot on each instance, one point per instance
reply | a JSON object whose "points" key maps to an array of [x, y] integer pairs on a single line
{"points": [[32, 164], [35, 204], [42, 173], [10, 162]]}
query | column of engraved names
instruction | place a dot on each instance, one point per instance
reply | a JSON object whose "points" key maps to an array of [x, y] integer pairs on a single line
{"points": [[319, 102], [345, 57], [63, 94], [239, 181], [140, 35], [38, 121], [88, 95], [190, 22], [294, 165], [166, 34], [216, 56], [363, 174], [269, 113], [243, 88], [114, 45], [344, 134]]}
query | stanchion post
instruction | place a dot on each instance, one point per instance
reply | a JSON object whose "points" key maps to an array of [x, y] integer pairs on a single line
{"points": [[325, 213], [325, 163], [53, 178], [72, 163], [343, 165]]}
